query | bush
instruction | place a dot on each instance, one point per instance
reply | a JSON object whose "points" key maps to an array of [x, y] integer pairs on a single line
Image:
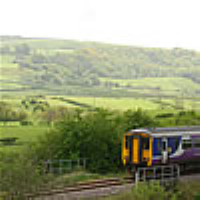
{"points": [[146, 191], [91, 135], [189, 190], [138, 119], [26, 123], [19, 175]]}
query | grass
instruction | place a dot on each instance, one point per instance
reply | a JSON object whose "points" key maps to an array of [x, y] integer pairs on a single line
{"points": [[128, 103], [25, 135], [116, 103], [111, 103], [183, 191], [77, 177], [172, 85]]}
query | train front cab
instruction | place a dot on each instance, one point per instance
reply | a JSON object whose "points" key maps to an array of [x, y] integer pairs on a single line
{"points": [[137, 149]]}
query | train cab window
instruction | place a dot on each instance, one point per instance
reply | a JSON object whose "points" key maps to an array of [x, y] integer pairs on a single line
{"points": [[187, 144], [126, 142], [145, 143], [197, 143]]}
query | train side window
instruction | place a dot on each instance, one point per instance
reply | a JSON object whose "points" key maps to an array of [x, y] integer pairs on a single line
{"points": [[197, 143], [159, 146], [186, 144], [164, 145], [176, 143]]}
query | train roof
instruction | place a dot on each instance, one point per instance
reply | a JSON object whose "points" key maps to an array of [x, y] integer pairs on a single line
{"points": [[187, 130], [171, 131]]}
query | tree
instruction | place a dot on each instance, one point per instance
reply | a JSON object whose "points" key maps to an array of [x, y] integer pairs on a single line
{"points": [[7, 113], [22, 50], [91, 135], [138, 119]]}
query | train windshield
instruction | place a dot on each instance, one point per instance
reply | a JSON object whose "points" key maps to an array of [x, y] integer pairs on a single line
{"points": [[145, 143]]}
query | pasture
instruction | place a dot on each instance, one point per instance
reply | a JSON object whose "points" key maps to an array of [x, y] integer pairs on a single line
{"points": [[113, 103], [158, 85], [25, 135], [138, 103]]}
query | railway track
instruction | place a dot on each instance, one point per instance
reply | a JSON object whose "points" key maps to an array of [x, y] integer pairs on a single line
{"points": [[96, 188], [80, 187]]}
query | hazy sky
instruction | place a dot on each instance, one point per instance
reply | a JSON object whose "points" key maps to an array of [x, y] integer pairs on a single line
{"points": [[150, 23]]}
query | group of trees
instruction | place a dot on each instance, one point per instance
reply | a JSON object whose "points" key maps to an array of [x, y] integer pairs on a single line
{"points": [[32, 111], [8, 114]]}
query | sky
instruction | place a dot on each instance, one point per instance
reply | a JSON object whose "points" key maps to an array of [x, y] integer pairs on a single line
{"points": [[146, 23]]}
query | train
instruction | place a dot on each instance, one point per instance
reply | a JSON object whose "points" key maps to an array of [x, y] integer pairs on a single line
{"points": [[147, 147]]}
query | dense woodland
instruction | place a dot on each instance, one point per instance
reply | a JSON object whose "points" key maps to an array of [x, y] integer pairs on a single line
{"points": [[86, 68]]}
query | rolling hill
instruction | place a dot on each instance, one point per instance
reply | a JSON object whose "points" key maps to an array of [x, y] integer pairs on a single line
{"points": [[52, 66]]}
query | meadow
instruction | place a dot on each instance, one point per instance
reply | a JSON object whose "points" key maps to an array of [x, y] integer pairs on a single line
{"points": [[113, 103], [25, 135]]}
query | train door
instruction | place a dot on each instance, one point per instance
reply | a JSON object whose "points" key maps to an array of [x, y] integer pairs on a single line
{"points": [[135, 150], [165, 155], [146, 150]]}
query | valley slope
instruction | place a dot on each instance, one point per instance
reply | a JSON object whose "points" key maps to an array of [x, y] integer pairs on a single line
{"points": [[66, 67]]}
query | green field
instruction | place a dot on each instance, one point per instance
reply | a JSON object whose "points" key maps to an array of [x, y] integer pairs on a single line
{"points": [[157, 85], [25, 135], [110, 102], [135, 103]]}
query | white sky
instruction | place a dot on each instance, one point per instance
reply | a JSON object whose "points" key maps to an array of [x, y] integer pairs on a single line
{"points": [[149, 23]]}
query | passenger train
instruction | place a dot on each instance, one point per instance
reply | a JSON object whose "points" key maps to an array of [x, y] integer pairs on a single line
{"points": [[161, 146]]}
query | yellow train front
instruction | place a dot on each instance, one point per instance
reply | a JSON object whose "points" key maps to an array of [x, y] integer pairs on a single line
{"points": [[162, 146], [137, 149]]}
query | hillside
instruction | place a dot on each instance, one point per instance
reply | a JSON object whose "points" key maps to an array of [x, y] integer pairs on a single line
{"points": [[96, 69]]}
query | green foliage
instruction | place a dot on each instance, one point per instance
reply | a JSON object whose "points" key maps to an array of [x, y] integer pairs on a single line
{"points": [[9, 114], [138, 119], [188, 190], [85, 135], [181, 118], [19, 175], [146, 191]]}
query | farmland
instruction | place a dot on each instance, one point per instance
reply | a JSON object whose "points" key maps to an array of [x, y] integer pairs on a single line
{"points": [[25, 135], [40, 109]]}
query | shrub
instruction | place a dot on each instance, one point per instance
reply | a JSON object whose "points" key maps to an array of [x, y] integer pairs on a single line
{"points": [[19, 175], [146, 191], [138, 119], [91, 135]]}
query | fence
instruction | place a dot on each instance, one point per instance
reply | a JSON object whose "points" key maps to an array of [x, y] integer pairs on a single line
{"points": [[64, 166], [17, 183], [163, 173]]}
